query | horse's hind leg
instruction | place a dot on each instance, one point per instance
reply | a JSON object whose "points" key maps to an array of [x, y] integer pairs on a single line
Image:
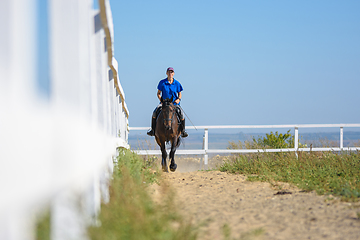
{"points": [[164, 156], [173, 165]]}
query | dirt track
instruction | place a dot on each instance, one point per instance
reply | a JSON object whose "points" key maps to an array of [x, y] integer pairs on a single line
{"points": [[256, 210]]}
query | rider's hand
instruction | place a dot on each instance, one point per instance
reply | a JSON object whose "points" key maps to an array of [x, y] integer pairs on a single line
{"points": [[177, 101]]}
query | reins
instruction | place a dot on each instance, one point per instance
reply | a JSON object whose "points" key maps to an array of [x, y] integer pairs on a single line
{"points": [[188, 117], [172, 116]]}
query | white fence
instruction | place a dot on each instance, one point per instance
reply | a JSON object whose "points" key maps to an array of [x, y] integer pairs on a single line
{"points": [[205, 151], [56, 151]]}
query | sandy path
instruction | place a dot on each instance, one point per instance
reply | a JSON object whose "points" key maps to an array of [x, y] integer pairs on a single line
{"points": [[253, 210]]}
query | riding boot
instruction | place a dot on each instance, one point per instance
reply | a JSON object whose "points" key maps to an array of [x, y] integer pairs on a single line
{"points": [[184, 134], [151, 132]]}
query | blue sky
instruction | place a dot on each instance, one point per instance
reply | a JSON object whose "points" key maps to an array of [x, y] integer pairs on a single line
{"points": [[242, 62]]}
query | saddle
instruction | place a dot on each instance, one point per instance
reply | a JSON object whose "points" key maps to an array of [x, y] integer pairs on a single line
{"points": [[178, 114]]}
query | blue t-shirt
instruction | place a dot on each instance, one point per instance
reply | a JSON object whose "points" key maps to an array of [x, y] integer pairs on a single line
{"points": [[169, 90]]}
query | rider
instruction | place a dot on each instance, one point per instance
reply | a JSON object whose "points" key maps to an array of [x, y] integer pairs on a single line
{"points": [[167, 88]]}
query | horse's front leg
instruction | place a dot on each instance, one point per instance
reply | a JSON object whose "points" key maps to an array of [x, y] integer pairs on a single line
{"points": [[164, 156], [173, 165]]}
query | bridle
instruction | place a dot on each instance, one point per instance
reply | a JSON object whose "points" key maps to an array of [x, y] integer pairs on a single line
{"points": [[168, 104]]}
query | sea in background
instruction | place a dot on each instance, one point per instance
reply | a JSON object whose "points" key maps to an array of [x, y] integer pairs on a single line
{"points": [[220, 140]]}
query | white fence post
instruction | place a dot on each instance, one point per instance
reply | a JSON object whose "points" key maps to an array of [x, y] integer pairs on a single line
{"points": [[202, 159], [296, 141], [206, 147], [20, 187], [341, 138], [66, 217]]}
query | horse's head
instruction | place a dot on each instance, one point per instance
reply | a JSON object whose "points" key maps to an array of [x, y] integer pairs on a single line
{"points": [[168, 111]]}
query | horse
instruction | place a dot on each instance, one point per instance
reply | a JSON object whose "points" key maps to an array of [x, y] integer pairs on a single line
{"points": [[167, 130]]}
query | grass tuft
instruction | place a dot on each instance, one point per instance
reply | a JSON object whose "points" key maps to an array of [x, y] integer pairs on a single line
{"points": [[326, 173], [256, 233], [43, 226]]}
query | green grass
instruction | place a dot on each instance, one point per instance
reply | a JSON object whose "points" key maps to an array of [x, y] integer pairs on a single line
{"points": [[326, 173], [132, 214], [43, 226]]}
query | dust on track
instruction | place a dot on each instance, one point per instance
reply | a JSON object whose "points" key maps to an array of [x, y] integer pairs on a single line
{"points": [[219, 202]]}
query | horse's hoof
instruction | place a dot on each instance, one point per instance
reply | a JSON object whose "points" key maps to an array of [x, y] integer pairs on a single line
{"points": [[165, 169], [173, 167]]}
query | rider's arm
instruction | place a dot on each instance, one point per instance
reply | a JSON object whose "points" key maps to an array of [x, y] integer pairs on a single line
{"points": [[159, 94], [179, 98]]}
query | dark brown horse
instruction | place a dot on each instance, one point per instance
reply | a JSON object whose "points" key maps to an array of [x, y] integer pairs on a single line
{"points": [[167, 130]]}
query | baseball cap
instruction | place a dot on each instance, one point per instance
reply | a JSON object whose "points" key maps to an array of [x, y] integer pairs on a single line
{"points": [[170, 69]]}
